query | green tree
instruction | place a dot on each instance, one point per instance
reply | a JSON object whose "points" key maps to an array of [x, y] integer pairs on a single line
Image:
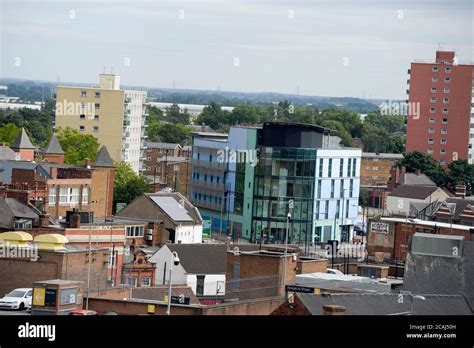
{"points": [[127, 184], [77, 146], [461, 172], [175, 115], [350, 120], [391, 123], [174, 133], [341, 132], [363, 198], [213, 116], [396, 144], [8, 133], [416, 160], [154, 114]]}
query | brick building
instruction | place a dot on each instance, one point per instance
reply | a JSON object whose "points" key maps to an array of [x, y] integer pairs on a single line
{"points": [[24, 149], [442, 91], [56, 259], [376, 168], [390, 237], [258, 274]]}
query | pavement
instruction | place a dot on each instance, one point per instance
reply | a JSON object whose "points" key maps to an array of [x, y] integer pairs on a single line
{"points": [[13, 312]]}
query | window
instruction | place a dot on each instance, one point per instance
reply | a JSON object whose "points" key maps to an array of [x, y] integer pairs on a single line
{"points": [[97, 94], [347, 209], [354, 166], [326, 211], [97, 105], [330, 168], [349, 162], [83, 94], [446, 100], [319, 188], [134, 231], [81, 128], [145, 282], [338, 208], [446, 90], [443, 141], [445, 120], [82, 117], [442, 151], [333, 183], [132, 281], [85, 195], [52, 196], [320, 167], [432, 110], [442, 162], [448, 69], [435, 69], [444, 131], [341, 167], [433, 90], [432, 120], [433, 99], [351, 187], [148, 158], [430, 141], [429, 151], [430, 130], [96, 128], [445, 110], [200, 285], [341, 189], [68, 195], [96, 117], [434, 79], [447, 80]]}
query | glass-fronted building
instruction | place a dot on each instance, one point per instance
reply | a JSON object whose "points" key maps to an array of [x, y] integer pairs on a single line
{"points": [[275, 164]]}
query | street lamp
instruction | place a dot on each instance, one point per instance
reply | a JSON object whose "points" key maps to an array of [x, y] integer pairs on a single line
{"points": [[288, 217], [175, 261], [416, 297]]}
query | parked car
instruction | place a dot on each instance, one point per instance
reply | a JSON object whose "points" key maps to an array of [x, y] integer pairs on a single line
{"points": [[82, 312], [17, 299]]}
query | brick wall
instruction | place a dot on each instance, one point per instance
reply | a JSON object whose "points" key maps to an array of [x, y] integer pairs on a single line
{"points": [[311, 266], [294, 307]]}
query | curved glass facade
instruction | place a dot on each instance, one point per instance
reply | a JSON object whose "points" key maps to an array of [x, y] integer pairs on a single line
{"points": [[283, 174]]}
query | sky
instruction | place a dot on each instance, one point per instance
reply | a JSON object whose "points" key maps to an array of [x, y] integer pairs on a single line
{"points": [[352, 48]]}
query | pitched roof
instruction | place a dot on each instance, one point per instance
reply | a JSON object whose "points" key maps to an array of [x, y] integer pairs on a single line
{"points": [[415, 179], [167, 146], [6, 168], [10, 208], [7, 154], [201, 258], [103, 159], [385, 304], [22, 141], [457, 205], [158, 293], [413, 191], [54, 148]]}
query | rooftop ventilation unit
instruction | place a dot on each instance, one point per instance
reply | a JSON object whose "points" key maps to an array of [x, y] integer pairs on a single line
{"points": [[437, 245]]}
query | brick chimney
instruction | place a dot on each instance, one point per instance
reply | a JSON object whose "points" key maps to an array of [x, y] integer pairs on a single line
{"points": [[43, 220], [53, 172], [75, 219], [334, 310], [395, 172]]}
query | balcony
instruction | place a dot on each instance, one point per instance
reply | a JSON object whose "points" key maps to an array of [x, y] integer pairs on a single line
{"points": [[125, 135], [208, 164], [207, 185]]}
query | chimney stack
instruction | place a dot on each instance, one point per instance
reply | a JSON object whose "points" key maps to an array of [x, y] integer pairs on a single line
{"points": [[74, 219], [334, 310]]}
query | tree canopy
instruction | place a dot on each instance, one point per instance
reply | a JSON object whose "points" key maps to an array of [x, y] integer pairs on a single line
{"points": [[127, 184], [77, 146]]}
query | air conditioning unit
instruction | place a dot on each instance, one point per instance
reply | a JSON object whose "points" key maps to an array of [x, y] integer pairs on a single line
{"points": [[148, 237], [149, 232]]}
